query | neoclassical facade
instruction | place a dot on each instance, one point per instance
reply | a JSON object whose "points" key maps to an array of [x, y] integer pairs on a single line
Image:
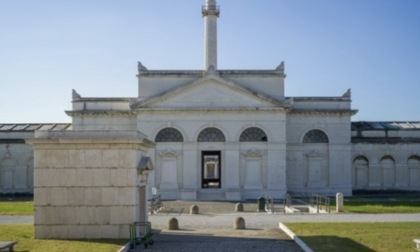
{"points": [[236, 135]]}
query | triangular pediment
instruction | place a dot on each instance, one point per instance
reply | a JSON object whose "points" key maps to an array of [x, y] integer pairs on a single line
{"points": [[209, 92]]}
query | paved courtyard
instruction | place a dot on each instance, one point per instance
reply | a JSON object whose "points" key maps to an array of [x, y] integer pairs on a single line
{"points": [[211, 230]]}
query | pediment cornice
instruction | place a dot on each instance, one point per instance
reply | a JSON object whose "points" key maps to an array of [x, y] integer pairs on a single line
{"points": [[137, 104], [328, 112], [100, 113]]}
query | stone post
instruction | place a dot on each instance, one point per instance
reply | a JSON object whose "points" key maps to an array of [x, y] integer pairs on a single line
{"points": [[194, 209], [173, 224], [239, 223], [239, 207], [339, 202]]}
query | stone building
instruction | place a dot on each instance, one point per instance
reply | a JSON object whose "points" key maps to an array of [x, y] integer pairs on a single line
{"points": [[235, 134], [17, 157]]}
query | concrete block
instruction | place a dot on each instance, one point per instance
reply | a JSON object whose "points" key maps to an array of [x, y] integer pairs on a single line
{"points": [[122, 215], [119, 177], [68, 215], [41, 159], [77, 158], [110, 158], [40, 177], [39, 215], [42, 196], [59, 196], [51, 215], [102, 215], [93, 196], [110, 196], [84, 177], [127, 196], [93, 231], [110, 231], [76, 196], [77, 232], [124, 231], [102, 177], [59, 231], [68, 177], [52, 177], [59, 158], [93, 158], [127, 159], [42, 231], [85, 215], [132, 177]]}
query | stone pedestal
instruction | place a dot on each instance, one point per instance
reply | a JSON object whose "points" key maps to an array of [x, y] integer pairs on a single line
{"points": [[89, 184]]}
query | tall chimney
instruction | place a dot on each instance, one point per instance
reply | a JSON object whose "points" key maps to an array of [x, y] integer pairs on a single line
{"points": [[210, 13]]}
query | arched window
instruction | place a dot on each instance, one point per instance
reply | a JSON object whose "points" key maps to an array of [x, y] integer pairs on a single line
{"points": [[169, 135], [211, 135], [388, 171], [253, 134], [361, 160], [315, 136], [413, 162], [7, 169], [413, 165], [361, 171]]}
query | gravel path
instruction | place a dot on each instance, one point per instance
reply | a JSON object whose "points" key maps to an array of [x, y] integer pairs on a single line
{"points": [[16, 219]]}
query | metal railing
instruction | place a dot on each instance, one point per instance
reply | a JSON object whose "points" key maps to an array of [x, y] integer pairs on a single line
{"points": [[320, 202], [210, 10]]}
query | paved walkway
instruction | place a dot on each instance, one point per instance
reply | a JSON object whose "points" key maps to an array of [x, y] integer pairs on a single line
{"points": [[13, 219], [211, 230]]}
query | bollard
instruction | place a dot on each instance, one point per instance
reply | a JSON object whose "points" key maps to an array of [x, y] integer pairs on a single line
{"points": [[239, 207], [173, 224], [194, 209], [239, 223], [339, 202]]}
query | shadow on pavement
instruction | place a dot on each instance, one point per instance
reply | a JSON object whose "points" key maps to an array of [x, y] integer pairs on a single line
{"points": [[334, 243], [216, 240]]}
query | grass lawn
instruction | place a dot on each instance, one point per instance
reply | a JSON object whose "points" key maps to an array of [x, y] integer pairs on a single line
{"points": [[21, 205], [361, 237], [24, 234], [382, 205]]}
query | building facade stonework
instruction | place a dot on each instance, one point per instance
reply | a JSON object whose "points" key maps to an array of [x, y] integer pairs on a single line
{"points": [[236, 135]]}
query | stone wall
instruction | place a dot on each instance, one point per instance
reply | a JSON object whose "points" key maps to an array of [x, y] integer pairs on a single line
{"points": [[377, 166], [16, 168], [319, 167], [248, 169], [88, 184]]}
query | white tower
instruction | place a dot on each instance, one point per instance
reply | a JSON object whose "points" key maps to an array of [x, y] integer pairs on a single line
{"points": [[210, 13]]}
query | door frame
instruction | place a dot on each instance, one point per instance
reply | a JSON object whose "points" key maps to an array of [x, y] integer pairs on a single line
{"points": [[211, 183]]}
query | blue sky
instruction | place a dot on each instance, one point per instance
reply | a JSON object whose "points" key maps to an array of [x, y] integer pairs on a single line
{"points": [[49, 47]]}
